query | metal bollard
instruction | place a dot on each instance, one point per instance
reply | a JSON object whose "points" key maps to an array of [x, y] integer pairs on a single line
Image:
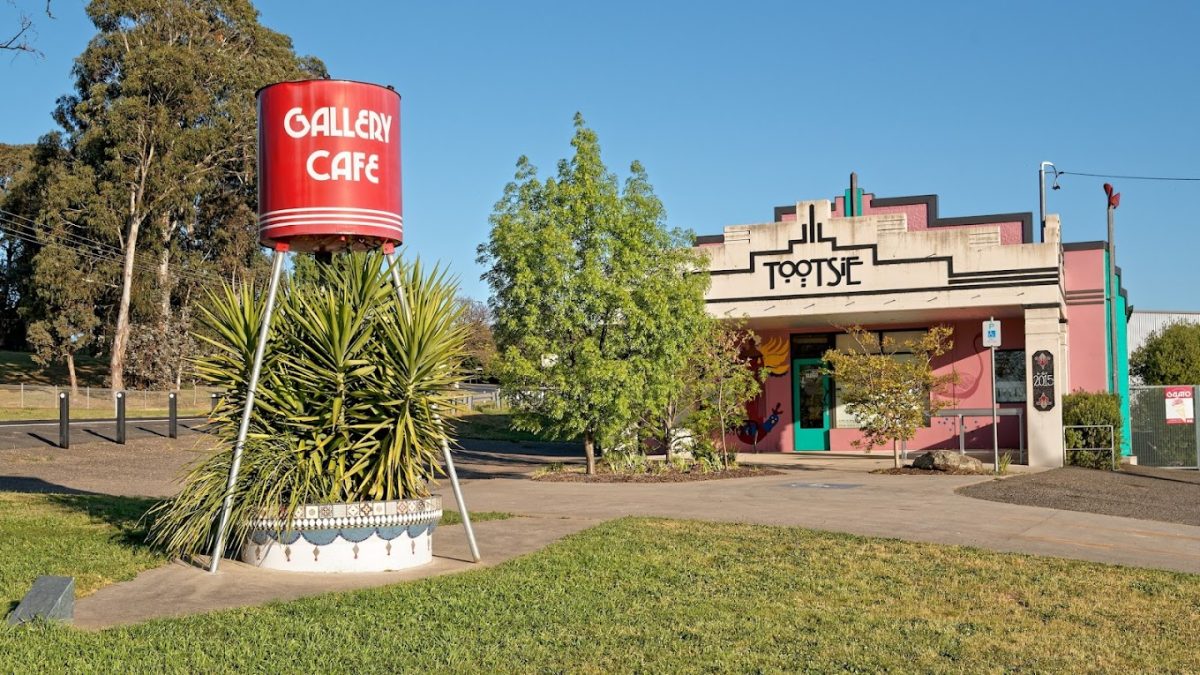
{"points": [[212, 410], [173, 416], [64, 421], [121, 418]]}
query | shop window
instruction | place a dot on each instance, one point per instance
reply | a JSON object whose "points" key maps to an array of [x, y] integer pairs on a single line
{"points": [[842, 419], [810, 346], [1010, 375]]}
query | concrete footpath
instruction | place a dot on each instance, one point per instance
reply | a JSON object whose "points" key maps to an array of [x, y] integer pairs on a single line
{"points": [[179, 589], [836, 494]]}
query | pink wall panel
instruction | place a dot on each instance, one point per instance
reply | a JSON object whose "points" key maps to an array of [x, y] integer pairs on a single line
{"points": [[973, 390]]}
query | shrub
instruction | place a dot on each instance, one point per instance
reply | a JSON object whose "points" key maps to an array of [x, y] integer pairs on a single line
{"points": [[350, 404], [1095, 409]]}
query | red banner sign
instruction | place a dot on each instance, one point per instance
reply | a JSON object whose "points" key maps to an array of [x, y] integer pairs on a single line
{"points": [[329, 165], [1181, 405]]}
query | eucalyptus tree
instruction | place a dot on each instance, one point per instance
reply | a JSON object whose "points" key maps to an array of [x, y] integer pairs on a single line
{"points": [[593, 298], [162, 120]]}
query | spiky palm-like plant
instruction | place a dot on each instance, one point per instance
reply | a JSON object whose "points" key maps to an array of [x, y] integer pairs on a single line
{"points": [[350, 406]]}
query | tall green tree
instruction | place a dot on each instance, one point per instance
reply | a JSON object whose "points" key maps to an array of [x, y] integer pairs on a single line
{"points": [[162, 120], [591, 294], [1170, 355]]}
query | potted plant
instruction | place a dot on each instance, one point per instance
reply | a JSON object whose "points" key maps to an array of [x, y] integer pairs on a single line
{"points": [[349, 418]]}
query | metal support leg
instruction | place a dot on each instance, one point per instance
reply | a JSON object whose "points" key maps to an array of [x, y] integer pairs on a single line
{"points": [[446, 457], [218, 549], [458, 497]]}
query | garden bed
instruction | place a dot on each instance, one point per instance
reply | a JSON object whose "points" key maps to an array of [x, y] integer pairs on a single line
{"points": [[577, 475]]}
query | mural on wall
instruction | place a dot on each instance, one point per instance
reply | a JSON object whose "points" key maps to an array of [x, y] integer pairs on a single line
{"points": [[770, 355]]}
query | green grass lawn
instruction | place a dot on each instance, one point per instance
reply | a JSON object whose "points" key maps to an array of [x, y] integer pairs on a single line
{"points": [[17, 367], [491, 425], [666, 596]]}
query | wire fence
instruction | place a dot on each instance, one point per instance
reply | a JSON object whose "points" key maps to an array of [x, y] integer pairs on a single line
{"points": [[1160, 439], [28, 397], [41, 401]]}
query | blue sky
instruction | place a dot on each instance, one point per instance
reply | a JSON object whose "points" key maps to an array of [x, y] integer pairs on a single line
{"points": [[735, 108]]}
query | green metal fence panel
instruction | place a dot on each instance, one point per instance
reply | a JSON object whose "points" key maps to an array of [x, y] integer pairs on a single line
{"points": [[1156, 443]]}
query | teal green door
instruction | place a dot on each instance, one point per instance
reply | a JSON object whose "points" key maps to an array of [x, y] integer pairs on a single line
{"points": [[810, 405]]}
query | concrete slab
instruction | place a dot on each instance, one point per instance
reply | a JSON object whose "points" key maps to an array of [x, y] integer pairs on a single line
{"points": [[179, 589]]}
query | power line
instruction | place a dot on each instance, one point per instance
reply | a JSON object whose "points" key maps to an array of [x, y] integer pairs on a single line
{"points": [[96, 250], [1106, 175]]}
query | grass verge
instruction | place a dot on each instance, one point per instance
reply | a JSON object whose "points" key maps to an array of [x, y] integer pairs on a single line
{"points": [[94, 538], [490, 425], [666, 596]]}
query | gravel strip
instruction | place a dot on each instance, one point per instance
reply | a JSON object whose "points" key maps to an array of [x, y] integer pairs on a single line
{"points": [[1165, 495]]}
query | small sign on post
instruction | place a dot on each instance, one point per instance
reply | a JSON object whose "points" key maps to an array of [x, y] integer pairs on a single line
{"points": [[991, 333], [991, 340]]}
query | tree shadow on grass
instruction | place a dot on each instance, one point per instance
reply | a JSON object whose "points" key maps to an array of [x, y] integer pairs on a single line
{"points": [[125, 514]]}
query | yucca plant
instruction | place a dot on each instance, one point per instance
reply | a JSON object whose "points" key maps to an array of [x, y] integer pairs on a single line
{"points": [[351, 406]]}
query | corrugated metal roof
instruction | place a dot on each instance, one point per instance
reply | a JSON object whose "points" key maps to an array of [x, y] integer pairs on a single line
{"points": [[1143, 323]]}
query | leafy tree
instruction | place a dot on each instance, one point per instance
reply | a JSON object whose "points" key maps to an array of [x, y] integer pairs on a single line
{"points": [[476, 319], [589, 289], [16, 253], [1170, 355], [722, 380], [161, 131], [891, 388], [66, 293]]}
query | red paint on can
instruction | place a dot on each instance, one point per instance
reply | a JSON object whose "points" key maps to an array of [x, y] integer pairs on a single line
{"points": [[329, 165]]}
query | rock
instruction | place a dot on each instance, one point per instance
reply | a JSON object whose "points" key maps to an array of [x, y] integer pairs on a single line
{"points": [[946, 460]]}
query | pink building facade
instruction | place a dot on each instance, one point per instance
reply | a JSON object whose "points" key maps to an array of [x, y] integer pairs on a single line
{"points": [[895, 266]]}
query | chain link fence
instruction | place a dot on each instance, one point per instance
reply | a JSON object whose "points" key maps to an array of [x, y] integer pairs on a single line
{"points": [[1155, 442]]}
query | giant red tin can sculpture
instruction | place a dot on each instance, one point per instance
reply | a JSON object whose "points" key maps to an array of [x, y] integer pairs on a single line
{"points": [[329, 166]]}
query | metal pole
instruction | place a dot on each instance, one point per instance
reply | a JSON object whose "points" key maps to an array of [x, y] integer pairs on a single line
{"points": [[1112, 299], [995, 416], [458, 496], [121, 418], [64, 421], [172, 416], [244, 429], [1042, 196], [1196, 422], [1042, 200], [451, 473]]}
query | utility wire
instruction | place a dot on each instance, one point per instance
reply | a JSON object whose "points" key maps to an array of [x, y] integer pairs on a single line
{"points": [[1106, 175], [40, 233], [95, 250]]}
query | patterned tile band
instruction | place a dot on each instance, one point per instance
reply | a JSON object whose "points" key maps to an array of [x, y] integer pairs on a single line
{"points": [[400, 512]]}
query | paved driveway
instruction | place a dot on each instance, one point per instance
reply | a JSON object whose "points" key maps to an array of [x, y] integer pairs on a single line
{"points": [[829, 494]]}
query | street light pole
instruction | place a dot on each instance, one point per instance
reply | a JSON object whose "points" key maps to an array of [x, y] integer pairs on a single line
{"points": [[1114, 200], [1042, 195]]}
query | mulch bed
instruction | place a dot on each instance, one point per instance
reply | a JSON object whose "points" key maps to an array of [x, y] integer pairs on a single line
{"points": [[909, 471], [669, 477], [1167, 495]]}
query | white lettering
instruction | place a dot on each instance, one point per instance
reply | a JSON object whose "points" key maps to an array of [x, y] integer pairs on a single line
{"points": [[293, 114], [312, 172], [339, 123], [345, 165]]}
